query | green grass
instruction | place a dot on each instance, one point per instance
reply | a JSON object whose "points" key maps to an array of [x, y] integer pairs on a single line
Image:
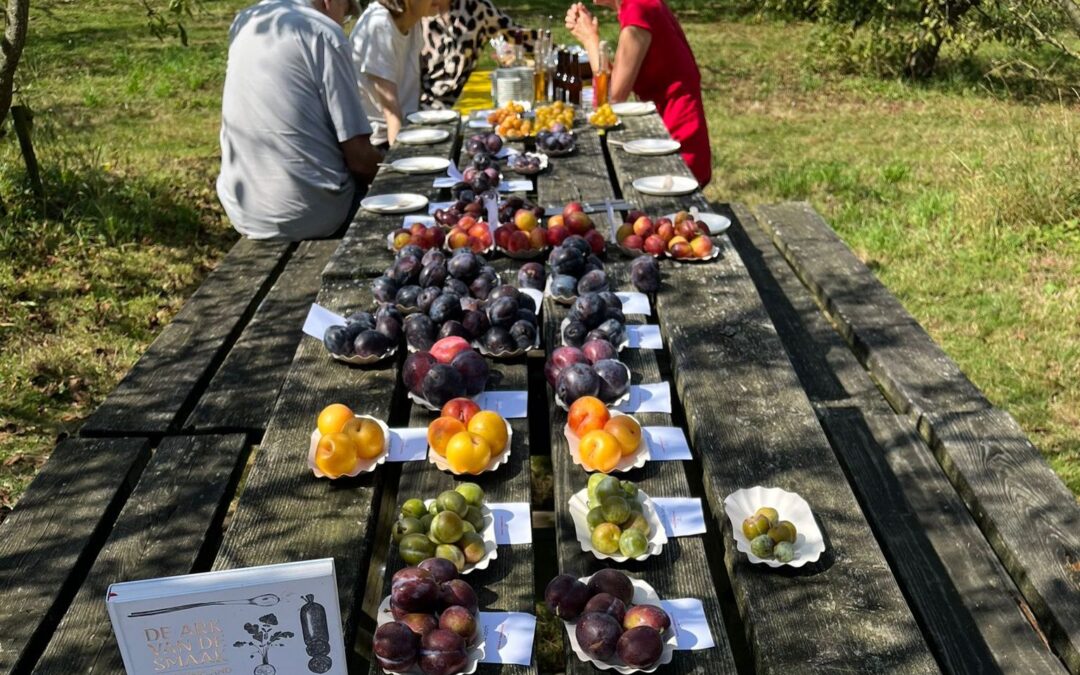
{"points": [[960, 193]]}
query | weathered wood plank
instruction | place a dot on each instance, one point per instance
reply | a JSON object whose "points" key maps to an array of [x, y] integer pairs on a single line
{"points": [[915, 374], [156, 394], [845, 612], [682, 568], [1030, 518], [242, 393], [973, 615], [169, 523], [285, 513], [508, 583], [362, 252], [50, 539], [629, 168], [582, 176]]}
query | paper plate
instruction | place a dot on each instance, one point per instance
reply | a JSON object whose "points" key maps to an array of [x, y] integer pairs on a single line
{"points": [[432, 116], [651, 146], [422, 136], [663, 186], [474, 652], [401, 202], [427, 164], [635, 460], [643, 595], [633, 108], [601, 127], [579, 511], [364, 465], [623, 344], [809, 544], [498, 460], [364, 360], [717, 223], [491, 547]]}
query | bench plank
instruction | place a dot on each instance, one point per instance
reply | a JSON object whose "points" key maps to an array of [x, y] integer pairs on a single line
{"points": [[155, 395], [762, 430], [169, 523], [915, 374], [50, 539], [286, 514], [968, 606], [1030, 518], [242, 394]]}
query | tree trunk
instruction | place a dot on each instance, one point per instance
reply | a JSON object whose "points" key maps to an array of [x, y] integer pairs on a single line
{"points": [[16, 22]]}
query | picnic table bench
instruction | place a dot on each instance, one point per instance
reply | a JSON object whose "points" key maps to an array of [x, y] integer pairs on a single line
{"points": [[951, 546]]}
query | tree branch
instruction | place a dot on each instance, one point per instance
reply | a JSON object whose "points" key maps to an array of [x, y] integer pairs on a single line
{"points": [[17, 20]]}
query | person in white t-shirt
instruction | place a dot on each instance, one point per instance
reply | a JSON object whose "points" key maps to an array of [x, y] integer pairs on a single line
{"points": [[295, 149], [386, 43]]}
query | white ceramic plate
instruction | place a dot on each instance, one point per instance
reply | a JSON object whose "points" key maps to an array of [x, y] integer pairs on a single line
{"points": [[717, 223], [634, 460], [809, 544], [401, 202], [498, 460], [364, 465], [651, 146], [663, 186], [432, 116], [422, 136], [633, 108], [643, 595], [474, 652], [491, 548], [579, 511], [420, 164]]}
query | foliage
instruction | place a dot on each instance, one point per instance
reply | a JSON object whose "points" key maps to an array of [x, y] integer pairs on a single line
{"points": [[906, 37], [168, 21]]}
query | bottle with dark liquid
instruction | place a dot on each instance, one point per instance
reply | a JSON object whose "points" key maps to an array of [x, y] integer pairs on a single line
{"points": [[558, 83], [573, 80]]}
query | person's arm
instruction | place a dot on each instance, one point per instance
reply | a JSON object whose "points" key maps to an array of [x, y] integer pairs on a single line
{"points": [[633, 44], [361, 157], [386, 95], [586, 29]]}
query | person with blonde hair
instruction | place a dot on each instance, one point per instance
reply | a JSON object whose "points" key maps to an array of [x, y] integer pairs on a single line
{"points": [[386, 44]]}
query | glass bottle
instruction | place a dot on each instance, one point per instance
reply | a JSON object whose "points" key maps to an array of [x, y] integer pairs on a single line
{"points": [[602, 77], [573, 80]]}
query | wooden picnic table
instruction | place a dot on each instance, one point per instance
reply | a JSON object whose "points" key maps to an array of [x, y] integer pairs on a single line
{"points": [[781, 375]]}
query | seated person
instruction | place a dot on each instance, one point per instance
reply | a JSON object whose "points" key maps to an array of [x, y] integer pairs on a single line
{"points": [[386, 59], [295, 155], [655, 62], [454, 41]]}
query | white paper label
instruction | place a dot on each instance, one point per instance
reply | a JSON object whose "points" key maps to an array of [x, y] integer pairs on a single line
{"points": [[319, 319], [644, 337], [682, 516], [453, 172], [509, 404], [537, 296], [508, 637], [689, 623], [492, 207], [648, 398], [481, 123], [667, 444], [408, 221], [634, 302], [432, 207], [445, 182], [513, 522], [516, 185], [506, 151], [407, 444]]}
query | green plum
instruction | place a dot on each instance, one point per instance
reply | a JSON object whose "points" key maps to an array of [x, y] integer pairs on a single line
{"points": [[784, 551], [446, 528], [472, 545], [451, 500], [629, 489], [473, 493], [638, 522], [605, 538], [451, 553], [594, 480], [475, 516], [632, 543], [406, 526], [769, 512], [608, 487], [415, 548], [762, 546], [755, 526], [413, 508], [595, 517], [615, 509]]}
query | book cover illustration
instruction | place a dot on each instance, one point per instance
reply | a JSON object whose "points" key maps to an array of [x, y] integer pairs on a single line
{"points": [[255, 621]]}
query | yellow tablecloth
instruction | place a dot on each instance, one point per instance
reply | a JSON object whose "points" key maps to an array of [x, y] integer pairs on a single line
{"points": [[477, 93]]}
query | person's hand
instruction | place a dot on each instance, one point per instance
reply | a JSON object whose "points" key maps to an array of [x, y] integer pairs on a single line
{"points": [[583, 25]]}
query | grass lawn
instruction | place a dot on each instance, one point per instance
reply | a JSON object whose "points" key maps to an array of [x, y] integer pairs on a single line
{"points": [[961, 194]]}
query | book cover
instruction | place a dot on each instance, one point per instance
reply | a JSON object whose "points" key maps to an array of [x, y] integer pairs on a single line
{"points": [[272, 620]]}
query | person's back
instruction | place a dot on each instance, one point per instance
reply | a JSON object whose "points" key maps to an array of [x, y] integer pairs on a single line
{"points": [[289, 102]]}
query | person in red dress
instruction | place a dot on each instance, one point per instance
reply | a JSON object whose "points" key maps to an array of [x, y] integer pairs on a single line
{"points": [[654, 61]]}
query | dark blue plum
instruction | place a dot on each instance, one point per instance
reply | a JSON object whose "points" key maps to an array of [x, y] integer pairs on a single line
{"points": [[457, 287], [442, 383], [365, 319], [574, 333], [531, 275], [526, 302], [464, 265], [474, 371], [433, 256], [371, 343], [595, 281], [407, 296], [568, 261], [502, 312], [388, 309], [446, 307], [563, 286], [337, 341], [614, 380], [390, 327], [578, 243], [432, 275], [498, 340], [575, 381], [588, 309], [476, 322], [524, 334], [454, 328], [384, 289], [426, 297], [415, 370]]}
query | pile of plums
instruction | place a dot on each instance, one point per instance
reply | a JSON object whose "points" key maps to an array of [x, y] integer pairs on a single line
{"points": [[606, 622], [558, 141], [509, 207], [683, 238], [418, 234], [645, 274], [421, 532], [418, 278], [366, 335], [576, 268], [473, 206], [526, 163], [595, 314], [435, 620], [450, 369], [489, 142], [593, 370], [470, 233]]}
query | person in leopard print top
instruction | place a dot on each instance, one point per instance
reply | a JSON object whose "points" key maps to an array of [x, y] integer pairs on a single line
{"points": [[452, 44]]}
